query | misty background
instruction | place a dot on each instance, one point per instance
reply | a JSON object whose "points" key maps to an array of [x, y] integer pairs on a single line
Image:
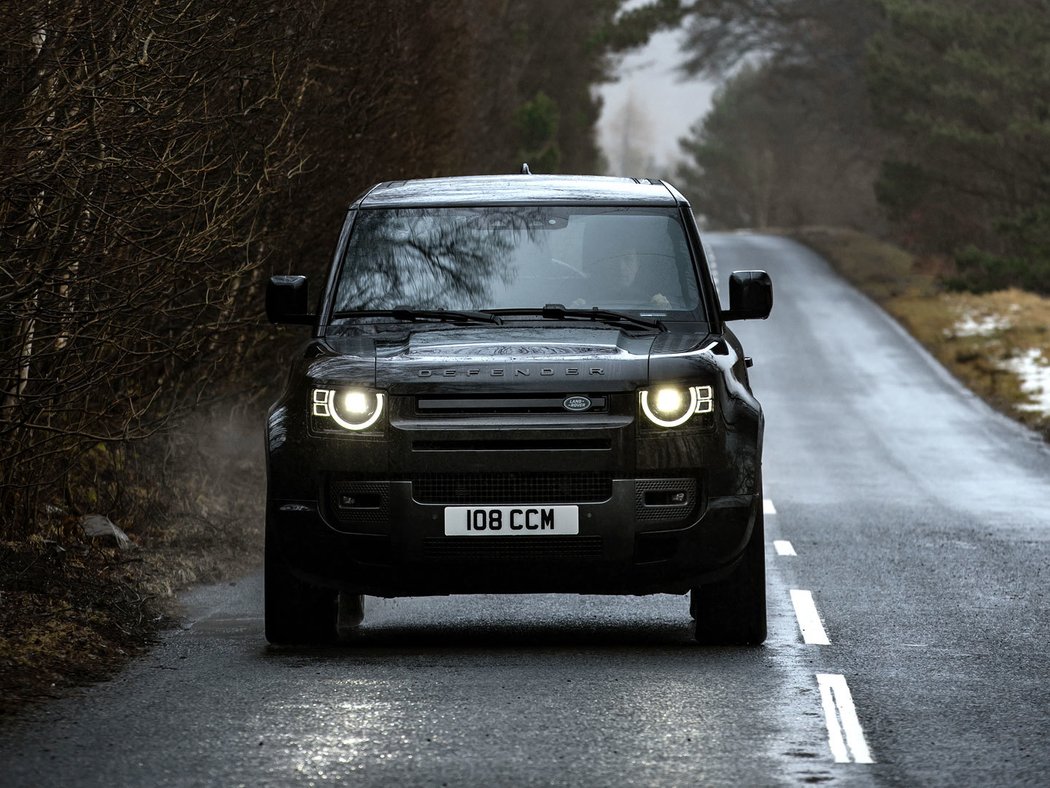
{"points": [[649, 107]]}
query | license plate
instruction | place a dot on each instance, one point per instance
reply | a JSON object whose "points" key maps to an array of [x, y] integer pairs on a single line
{"points": [[512, 520]]}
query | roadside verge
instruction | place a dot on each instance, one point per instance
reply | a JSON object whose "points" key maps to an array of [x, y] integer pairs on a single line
{"points": [[997, 344], [74, 608]]}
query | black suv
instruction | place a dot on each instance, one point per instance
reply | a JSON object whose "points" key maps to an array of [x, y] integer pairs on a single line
{"points": [[516, 384]]}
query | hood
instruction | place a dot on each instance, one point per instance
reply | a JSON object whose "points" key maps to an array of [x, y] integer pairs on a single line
{"points": [[508, 358]]}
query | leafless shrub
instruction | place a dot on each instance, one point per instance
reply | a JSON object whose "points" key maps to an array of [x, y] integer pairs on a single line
{"points": [[139, 141], [158, 161]]}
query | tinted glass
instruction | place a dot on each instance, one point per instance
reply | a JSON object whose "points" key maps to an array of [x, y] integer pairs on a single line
{"points": [[629, 259]]}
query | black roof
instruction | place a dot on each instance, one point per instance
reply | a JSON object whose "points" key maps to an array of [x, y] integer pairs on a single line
{"points": [[520, 189]]}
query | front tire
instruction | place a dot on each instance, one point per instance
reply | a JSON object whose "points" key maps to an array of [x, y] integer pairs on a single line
{"points": [[296, 612], [351, 609], [732, 612]]}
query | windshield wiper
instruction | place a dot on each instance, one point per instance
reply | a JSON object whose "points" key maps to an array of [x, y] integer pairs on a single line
{"points": [[559, 312], [408, 313]]}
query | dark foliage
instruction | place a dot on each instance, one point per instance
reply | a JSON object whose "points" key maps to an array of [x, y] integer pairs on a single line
{"points": [[936, 108], [963, 87]]}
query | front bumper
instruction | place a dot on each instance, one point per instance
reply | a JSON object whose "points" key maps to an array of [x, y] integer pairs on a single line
{"points": [[616, 551]]}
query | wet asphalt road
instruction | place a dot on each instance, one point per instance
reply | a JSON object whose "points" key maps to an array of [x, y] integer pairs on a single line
{"points": [[920, 523]]}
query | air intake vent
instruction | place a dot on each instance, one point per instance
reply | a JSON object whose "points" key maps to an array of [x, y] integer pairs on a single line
{"points": [[512, 548], [507, 488]]}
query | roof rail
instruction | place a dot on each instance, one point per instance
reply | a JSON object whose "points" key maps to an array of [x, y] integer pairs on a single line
{"points": [[525, 168]]}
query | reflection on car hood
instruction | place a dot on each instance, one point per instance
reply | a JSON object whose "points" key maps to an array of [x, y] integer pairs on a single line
{"points": [[510, 344], [482, 357], [514, 358]]}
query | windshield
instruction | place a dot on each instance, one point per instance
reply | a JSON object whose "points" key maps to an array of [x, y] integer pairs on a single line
{"points": [[626, 259]]}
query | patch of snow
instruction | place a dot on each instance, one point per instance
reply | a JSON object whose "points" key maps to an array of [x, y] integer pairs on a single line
{"points": [[1034, 371], [974, 324]]}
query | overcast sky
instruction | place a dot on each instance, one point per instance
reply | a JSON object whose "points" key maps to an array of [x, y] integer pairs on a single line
{"points": [[666, 106]]}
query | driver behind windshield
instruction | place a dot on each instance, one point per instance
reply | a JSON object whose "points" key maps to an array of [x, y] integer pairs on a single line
{"points": [[627, 280]]}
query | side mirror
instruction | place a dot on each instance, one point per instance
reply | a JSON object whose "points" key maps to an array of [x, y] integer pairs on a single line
{"points": [[286, 300], [750, 296]]}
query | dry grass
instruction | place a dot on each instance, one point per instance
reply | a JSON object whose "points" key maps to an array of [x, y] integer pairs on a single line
{"points": [[68, 614], [881, 270], [975, 336]]}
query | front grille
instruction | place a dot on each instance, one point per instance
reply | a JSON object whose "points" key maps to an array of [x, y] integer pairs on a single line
{"points": [[510, 548], [507, 404], [508, 488], [515, 444]]}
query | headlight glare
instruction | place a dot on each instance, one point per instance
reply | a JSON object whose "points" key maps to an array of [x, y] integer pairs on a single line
{"points": [[357, 403], [669, 402]]}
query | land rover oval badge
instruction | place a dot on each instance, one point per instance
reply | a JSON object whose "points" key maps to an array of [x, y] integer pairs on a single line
{"points": [[577, 403]]}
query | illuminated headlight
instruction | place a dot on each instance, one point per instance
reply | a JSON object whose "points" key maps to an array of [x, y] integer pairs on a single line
{"points": [[352, 409], [672, 406]]}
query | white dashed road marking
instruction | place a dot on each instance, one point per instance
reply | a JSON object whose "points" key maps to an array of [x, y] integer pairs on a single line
{"points": [[845, 736], [808, 618]]}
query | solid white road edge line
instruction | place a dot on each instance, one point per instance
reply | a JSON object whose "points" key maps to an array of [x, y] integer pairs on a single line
{"points": [[783, 547], [768, 507], [845, 736], [808, 618]]}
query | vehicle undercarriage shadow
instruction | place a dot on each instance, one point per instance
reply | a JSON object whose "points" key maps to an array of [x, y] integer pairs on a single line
{"points": [[500, 624]]}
